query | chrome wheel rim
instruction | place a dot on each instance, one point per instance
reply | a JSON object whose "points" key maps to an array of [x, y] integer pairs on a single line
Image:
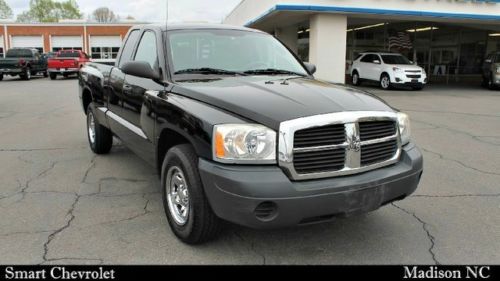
{"points": [[384, 82], [177, 195], [355, 79], [91, 127]]}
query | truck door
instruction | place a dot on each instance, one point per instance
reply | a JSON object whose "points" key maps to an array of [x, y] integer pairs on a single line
{"points": [[114, 89], [136, 106]]}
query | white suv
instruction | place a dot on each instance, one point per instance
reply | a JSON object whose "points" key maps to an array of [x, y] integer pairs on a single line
{"points": [[389, 69]]}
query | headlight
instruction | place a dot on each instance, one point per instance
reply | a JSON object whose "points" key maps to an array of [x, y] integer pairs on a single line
{"points": [[396, 69], [244, 144], [404, 127]]}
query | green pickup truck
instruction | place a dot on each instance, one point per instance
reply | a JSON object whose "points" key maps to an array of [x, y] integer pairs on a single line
{"points": [[23, 62]]}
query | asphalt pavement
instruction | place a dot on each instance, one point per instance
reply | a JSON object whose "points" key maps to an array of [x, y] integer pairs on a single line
{"points": [[61, 204]]}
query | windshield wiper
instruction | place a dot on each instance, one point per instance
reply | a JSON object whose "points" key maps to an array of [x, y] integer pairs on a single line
{"points": [[272, 71], [208, 70]]}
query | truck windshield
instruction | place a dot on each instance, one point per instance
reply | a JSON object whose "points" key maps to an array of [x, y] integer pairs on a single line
{"points": [[226, 52], [395, 59], [18, 53]]}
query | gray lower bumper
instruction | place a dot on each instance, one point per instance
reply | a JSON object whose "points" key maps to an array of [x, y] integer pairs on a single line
{"points": [[235, 192]]}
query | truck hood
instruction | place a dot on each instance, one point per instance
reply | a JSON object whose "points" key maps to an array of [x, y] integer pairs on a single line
{"points": [[268, 101]]}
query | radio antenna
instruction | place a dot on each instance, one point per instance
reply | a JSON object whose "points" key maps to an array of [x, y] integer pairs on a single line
{"points": [[166, 20]]}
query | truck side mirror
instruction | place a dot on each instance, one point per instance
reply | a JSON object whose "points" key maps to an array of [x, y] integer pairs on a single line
{"points": [[140, 69], [310, 67]]}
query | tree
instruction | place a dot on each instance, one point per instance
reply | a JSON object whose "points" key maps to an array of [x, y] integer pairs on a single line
{"points": [[5, 10], [50, 11], [104, 15], [129, 17]]}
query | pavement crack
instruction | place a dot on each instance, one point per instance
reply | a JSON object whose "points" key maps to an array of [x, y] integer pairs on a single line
{"points": [[455, 196], [425, 226], [251, 247], [54, 234], [477, 138], [442, 157]]}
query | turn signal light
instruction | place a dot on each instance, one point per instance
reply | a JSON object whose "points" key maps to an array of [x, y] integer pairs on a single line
{"points": [[219, 145]]}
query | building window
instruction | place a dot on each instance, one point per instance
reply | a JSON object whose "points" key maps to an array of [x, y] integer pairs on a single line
{"points": [[1, 52], [105, 52]]}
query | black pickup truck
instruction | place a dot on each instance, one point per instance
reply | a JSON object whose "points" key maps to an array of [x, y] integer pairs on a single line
{"points": [[239, 130], [23, 62]]}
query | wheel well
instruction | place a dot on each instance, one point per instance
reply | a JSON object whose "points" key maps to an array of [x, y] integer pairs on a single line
{"points": [[86, 99], [168, 139], [384, 73]]}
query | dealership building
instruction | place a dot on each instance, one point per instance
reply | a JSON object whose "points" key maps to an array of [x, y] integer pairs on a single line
{"points": [[100, 41], [449, 38]]}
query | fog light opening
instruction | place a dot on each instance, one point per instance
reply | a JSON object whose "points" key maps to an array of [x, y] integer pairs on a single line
{"points": [[266, 211]]}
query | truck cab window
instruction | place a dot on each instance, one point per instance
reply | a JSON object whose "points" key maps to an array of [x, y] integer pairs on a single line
{"points": [[128, 49], [147, 50]]}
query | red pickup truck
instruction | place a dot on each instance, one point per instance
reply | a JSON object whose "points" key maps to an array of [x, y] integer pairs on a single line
{"points": [[67, 62]]}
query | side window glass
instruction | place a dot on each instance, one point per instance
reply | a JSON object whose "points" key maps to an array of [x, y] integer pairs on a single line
{"points": [[147, 50], [128, 48], [366, 58]]}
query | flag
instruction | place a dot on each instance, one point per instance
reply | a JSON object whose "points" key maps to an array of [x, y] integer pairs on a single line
{"points": [[400, 40]]}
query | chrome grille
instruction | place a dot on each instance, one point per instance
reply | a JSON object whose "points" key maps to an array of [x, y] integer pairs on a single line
{"points": [[376, 130], [338, 144], [327, 135]]}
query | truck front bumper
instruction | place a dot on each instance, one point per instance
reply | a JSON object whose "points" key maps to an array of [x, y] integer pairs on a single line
{"points": [[264, 197]]}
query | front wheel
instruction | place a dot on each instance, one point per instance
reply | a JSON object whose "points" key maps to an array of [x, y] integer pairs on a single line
{"points": [[45, 74], [1, 77], [100, 138], [53, 76], [356, 81], [187, 209], [491, 83], [385, 82]]}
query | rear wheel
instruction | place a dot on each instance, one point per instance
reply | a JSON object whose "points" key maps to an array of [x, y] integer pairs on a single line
{"points": [[53, 76], [100, 138], [356, 81], [1, 76], [45, 74], [385, 82], [187, 209], [27, 74]]}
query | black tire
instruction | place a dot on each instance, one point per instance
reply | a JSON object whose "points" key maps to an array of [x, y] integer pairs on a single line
{"points": [[385, 82], [53, 76], [45, 74], [1, 77], [102, 140], [356, 81], [27, 74], [201, 224], [491, 83]]}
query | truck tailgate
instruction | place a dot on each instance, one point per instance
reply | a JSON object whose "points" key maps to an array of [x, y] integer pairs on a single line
{"points": [[63, 63]]}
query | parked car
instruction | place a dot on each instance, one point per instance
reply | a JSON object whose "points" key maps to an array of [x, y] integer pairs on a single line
{"points": [[23, 62], [66, 63], [389, 69], [259, 143], [491, 71]]}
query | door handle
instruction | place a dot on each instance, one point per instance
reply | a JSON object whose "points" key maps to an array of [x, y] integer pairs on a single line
{"points": [[127, 88]]}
